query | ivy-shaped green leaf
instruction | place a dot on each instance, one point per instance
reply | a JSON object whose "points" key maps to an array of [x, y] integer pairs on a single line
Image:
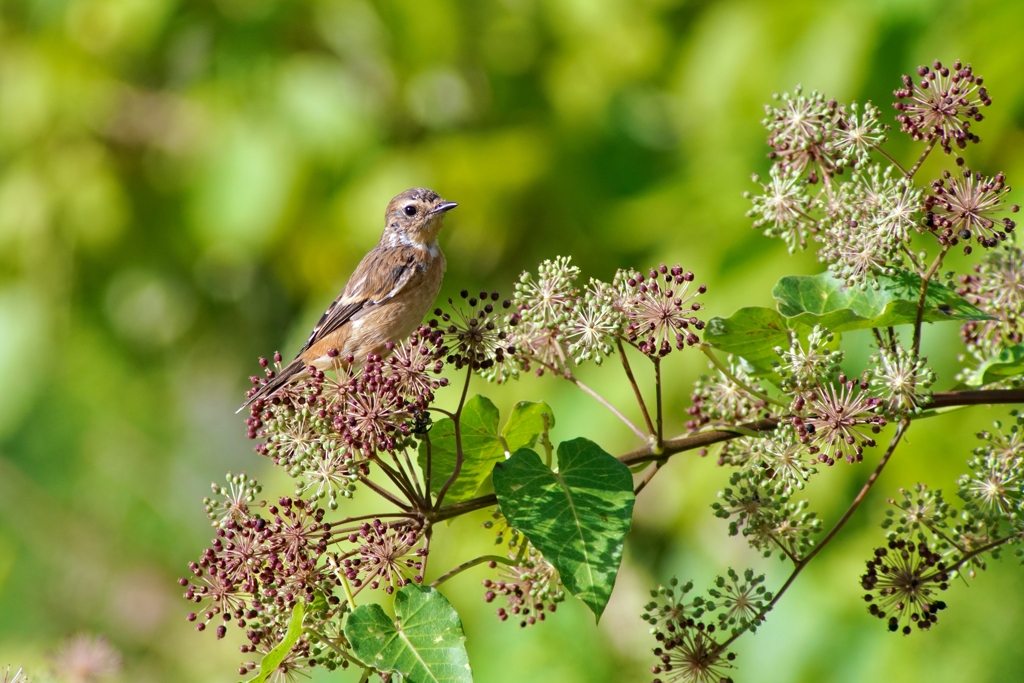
{"points": [[526, 424], [825, 300], [273, 659], [481, 448], [1009, 363], [804, 301], [576, 517], [425, 643], [751, 333]]}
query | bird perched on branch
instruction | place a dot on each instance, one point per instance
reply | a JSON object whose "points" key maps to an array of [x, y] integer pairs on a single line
{"points": [[386, 297]]}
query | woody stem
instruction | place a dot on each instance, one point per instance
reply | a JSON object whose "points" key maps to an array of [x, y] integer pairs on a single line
{"points": [[704, 439]]}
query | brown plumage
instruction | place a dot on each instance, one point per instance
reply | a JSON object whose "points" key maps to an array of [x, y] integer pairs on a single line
{"points": [[387, 295]]}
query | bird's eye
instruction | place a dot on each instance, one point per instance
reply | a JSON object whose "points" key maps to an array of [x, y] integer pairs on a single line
{"points": [[410, 210]]}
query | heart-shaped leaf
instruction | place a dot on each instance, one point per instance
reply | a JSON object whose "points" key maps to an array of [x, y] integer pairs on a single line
{"points": [[425, 644], [481, 448], [577, 517], [751, 333], [526, 424], [828, 301]]}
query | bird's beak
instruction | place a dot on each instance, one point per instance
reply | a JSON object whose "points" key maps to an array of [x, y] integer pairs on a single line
{"points": [[444, 206]]}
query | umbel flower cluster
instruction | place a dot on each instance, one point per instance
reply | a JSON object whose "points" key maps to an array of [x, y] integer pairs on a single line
{"points": [[374, 427], [865, 222], [931, 541], [831, 182], [292, 574]]}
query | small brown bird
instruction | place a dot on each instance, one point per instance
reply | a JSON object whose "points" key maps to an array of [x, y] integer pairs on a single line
{"points": [[386, 297]]}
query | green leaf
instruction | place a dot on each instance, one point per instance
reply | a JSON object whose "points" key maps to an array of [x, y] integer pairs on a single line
{"points": [[804, 301], [319, 603], [1009, 363], [526, 424], [751, 333], [425, 643], [274, 658], [825, 300], [577, 517], [481, 448]]}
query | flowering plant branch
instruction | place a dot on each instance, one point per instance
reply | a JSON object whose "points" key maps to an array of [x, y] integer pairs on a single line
{"points": [[777, 404]]}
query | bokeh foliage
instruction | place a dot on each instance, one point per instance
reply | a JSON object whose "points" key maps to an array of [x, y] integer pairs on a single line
{"points": [[185, 185]]}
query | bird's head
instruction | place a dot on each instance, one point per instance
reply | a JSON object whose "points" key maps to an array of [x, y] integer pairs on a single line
{"points": [[415, 216]]}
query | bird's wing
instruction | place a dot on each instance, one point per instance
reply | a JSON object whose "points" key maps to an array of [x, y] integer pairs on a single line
{"points": [[381, 275]]}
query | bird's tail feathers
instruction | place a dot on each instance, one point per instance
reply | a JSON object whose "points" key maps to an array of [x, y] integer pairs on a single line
{"points": [[292, 372]]}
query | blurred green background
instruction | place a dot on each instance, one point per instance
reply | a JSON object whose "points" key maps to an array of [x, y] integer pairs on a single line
{"points": [[185, 185]]}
